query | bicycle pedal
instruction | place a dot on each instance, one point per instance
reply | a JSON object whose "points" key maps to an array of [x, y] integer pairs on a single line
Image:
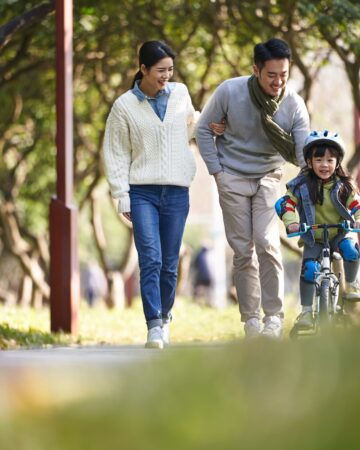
{"points": [[303, 333], [299, 331]]}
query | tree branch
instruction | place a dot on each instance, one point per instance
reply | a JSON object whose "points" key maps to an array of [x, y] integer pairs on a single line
{"points": [[25, 20]]}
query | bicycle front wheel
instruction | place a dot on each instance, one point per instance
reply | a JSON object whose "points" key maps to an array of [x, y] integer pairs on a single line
{"points": [[324, 300]]}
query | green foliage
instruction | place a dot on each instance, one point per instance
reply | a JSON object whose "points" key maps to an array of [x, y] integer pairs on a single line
{"points": [[213, 40], [335, 19], [27, 122]]}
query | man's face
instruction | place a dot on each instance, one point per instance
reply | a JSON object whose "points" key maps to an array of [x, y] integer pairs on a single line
{"points": [[273, 76]]}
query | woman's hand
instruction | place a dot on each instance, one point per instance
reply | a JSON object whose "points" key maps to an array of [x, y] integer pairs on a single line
{"points": [[293, 228], [218, 128], [127, 216]]}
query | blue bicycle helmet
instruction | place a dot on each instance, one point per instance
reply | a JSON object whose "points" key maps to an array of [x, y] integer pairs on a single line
{"points": [[324, 137]]}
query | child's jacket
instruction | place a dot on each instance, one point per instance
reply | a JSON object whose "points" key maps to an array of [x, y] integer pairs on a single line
{"points": [[330, 211]]}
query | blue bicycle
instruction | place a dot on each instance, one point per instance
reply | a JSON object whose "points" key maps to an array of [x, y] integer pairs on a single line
{"points": [[326, 306]]}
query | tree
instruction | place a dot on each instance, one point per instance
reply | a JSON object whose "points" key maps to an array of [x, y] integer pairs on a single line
{"points": [[213, 40]]}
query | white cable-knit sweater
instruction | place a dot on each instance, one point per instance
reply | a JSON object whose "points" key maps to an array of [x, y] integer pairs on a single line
{"points": [[139, 148]]}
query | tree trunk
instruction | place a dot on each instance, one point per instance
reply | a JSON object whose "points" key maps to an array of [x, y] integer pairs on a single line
{"points": [[21, 249], [25, 291]]}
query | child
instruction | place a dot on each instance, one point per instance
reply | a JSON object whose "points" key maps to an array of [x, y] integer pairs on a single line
{"points": [[322, 193]]}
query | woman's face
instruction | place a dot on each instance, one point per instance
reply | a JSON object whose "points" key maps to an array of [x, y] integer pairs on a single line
{"points": [[155, 78], [323, 166]]}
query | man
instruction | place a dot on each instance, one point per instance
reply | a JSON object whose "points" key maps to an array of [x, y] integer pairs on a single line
{"points": [[266, 123]]}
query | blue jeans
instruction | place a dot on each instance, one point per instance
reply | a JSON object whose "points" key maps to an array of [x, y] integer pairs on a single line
{"points": [[158, 214]]}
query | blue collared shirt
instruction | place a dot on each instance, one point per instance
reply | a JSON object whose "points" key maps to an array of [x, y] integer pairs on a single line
{"points": [[159, 102]]}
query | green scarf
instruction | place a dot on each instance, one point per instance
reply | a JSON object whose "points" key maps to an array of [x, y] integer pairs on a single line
{"points": [[279, 138]]}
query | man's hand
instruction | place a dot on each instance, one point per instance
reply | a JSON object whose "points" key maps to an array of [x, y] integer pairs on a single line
{"points": [[293, 228]]}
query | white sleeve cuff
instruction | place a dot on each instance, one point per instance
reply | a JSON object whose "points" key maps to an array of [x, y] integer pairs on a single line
{"points": [[124, 204]]}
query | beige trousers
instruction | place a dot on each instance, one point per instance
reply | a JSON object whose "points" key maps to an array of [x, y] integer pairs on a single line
{"points": [[252, 230]]}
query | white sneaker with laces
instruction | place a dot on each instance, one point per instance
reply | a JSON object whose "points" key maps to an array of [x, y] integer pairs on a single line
{"points": [[155, 338], [272, 327], [252, 328], [166, 333], [352, 290]]}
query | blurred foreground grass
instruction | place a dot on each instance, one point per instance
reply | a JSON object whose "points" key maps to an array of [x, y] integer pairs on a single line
{"points": [[21, 327], [228, 394], [243, 395]]}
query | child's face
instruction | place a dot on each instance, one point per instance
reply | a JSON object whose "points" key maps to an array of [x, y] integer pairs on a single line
{"points": [[323, 166]]}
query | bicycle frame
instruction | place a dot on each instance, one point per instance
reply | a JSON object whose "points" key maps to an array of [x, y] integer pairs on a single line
{"points": [[326, 277], [325, 304]]}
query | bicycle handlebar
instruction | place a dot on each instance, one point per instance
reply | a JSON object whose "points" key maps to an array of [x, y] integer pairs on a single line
{"points": [[346, 225]]}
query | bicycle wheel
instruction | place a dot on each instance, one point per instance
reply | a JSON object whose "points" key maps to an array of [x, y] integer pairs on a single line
{"points": [[324, 300]]}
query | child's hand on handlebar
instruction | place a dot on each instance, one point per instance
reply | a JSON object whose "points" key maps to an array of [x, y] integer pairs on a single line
{"points": [[293, 228]]}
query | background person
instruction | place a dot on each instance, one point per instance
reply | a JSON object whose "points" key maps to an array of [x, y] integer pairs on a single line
{"points": [[203, 277], [94, 283], [266, 124]]}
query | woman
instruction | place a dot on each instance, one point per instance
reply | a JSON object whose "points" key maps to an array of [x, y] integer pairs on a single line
{"points": [[149, 167]]}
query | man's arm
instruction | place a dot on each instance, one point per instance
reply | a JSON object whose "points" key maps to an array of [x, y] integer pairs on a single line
{"points": [[300, 131], [214, 111]]}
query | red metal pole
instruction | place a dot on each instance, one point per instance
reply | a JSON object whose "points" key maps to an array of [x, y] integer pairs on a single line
{"points": [[64, 265]]}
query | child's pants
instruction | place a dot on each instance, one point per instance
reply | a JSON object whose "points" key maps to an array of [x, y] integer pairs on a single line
{"points": [[349, 251]]}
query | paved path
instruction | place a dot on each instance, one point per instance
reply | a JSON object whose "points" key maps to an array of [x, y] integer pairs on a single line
{"points": [[99, 356], [43, 378], [37, 379], [87, 355]]}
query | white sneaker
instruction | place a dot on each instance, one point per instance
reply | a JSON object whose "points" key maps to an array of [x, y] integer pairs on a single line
{"points": [[166, 333], [155, 338], [252, 328], [272, 327], [305, 321], [352, 290]]}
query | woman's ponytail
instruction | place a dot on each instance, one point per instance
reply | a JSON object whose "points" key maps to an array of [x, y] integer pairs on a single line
{"points": [[137, 76]]}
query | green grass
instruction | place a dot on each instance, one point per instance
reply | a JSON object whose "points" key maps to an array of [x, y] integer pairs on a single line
{"points": [[27, 327], [192, 323]]}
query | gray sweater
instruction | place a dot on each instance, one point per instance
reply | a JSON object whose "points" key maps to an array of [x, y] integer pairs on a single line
{"points": [[244, 147]]}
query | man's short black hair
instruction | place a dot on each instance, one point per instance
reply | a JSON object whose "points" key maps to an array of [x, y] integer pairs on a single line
{"points": [[272, 49]]}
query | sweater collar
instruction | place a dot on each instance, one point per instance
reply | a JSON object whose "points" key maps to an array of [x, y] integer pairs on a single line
{"points": [[141, 96]]}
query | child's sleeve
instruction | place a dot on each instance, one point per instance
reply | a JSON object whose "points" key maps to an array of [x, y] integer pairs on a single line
{"points": [[286, 208], [353, 204]]}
